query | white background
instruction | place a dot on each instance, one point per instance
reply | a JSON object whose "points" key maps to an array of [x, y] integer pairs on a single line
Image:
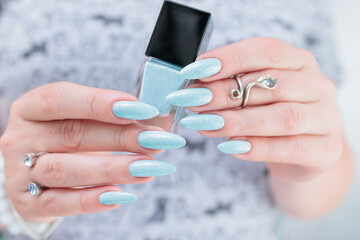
{"points": [[344, 223]]}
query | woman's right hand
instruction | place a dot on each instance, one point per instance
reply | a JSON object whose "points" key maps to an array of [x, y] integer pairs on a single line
{"points": [[66, 120]]}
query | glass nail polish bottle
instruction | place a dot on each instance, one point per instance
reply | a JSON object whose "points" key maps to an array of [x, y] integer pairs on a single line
{"points": [[180, 34]]}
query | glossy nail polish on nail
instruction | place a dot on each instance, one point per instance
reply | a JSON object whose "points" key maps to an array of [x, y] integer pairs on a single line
{"points": [[180, 34], [134, 110], [150, 168], [203, 122], [234, 147], [190, 97], [116, 197], [160, 140], [201, 69]]}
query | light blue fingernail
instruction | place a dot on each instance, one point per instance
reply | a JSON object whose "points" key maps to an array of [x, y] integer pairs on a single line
{"points": [[112, 198], [160, 140], [134, 110], [203, 122], [190, 97], [234, 147], [201, 69], [150, 168]]}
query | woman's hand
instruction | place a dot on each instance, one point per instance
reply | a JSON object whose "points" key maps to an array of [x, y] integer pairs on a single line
{"points": [[295, 127], [65, 119]]}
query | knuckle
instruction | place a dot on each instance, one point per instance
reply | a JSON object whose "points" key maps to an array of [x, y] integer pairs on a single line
{"points": [[229, 85], [50, 96], [50, 204], [92, 101], [241, 124], [281, 90], [118, 137], [333, 126], [334, 148], [108, 171], [297, 149], [9, 187], [71, 133], [54, 172], [15, 105], [272, 48], [289, 117], [329, 88], [7, 141], [309, 56], [237, 60], [336, 120], [266, 149], [123, 137], [83, 202]]}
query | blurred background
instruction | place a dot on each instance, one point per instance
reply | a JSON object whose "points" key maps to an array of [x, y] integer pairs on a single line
{"points": [[344, 223]]}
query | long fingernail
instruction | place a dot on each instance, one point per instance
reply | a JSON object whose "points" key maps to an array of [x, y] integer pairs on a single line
{"points": [[203, 122], [190, 97], [201, 69], [134, 110], [160, 140], [150, 168], [116, 197], [234, 147]]}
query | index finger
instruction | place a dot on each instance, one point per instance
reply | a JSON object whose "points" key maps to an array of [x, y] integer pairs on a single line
{"points": [[64, 100], [255, 54]]}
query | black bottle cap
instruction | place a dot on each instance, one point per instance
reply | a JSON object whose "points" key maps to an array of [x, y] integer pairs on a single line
{"points": [[180, 34]]}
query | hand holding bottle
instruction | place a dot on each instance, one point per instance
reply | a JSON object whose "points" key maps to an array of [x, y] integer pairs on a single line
{"points": [[64, 120]]}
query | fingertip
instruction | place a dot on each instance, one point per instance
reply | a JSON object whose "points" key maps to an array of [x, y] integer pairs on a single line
{"points": [[116, 198], [134, 110], [201, 69], [154, 151], [141, 180], [209, 133], [149, 150]]}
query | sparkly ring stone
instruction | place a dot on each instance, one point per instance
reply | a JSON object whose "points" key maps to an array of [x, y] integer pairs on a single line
{"points": [[30, 159], [35, 189]]}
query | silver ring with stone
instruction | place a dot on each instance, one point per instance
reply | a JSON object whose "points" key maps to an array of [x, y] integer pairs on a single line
{"points": [[35, 189], [237, 93], [30, 159], [266, 81]]}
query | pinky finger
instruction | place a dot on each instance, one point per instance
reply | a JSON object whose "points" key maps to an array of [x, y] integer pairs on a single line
{"points": [[312, 151], [61, 202]]}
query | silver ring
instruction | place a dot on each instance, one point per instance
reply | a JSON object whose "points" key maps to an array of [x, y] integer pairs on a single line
{"points": [[237, 93], [266, 81], [35, 189], [30, 159]]}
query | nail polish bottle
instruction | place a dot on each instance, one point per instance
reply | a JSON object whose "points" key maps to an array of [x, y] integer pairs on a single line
{"points": [[181, 33]]}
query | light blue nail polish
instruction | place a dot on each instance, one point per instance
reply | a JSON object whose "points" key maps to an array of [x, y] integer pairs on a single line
{"points": [[160, 140], [150, 168], [203, 122], [234, 147], [190, 97], [201, 69], [116, 197], [134, 110]]}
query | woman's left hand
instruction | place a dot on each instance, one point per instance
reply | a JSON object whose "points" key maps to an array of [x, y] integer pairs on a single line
{"points": [[295, 127]]}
